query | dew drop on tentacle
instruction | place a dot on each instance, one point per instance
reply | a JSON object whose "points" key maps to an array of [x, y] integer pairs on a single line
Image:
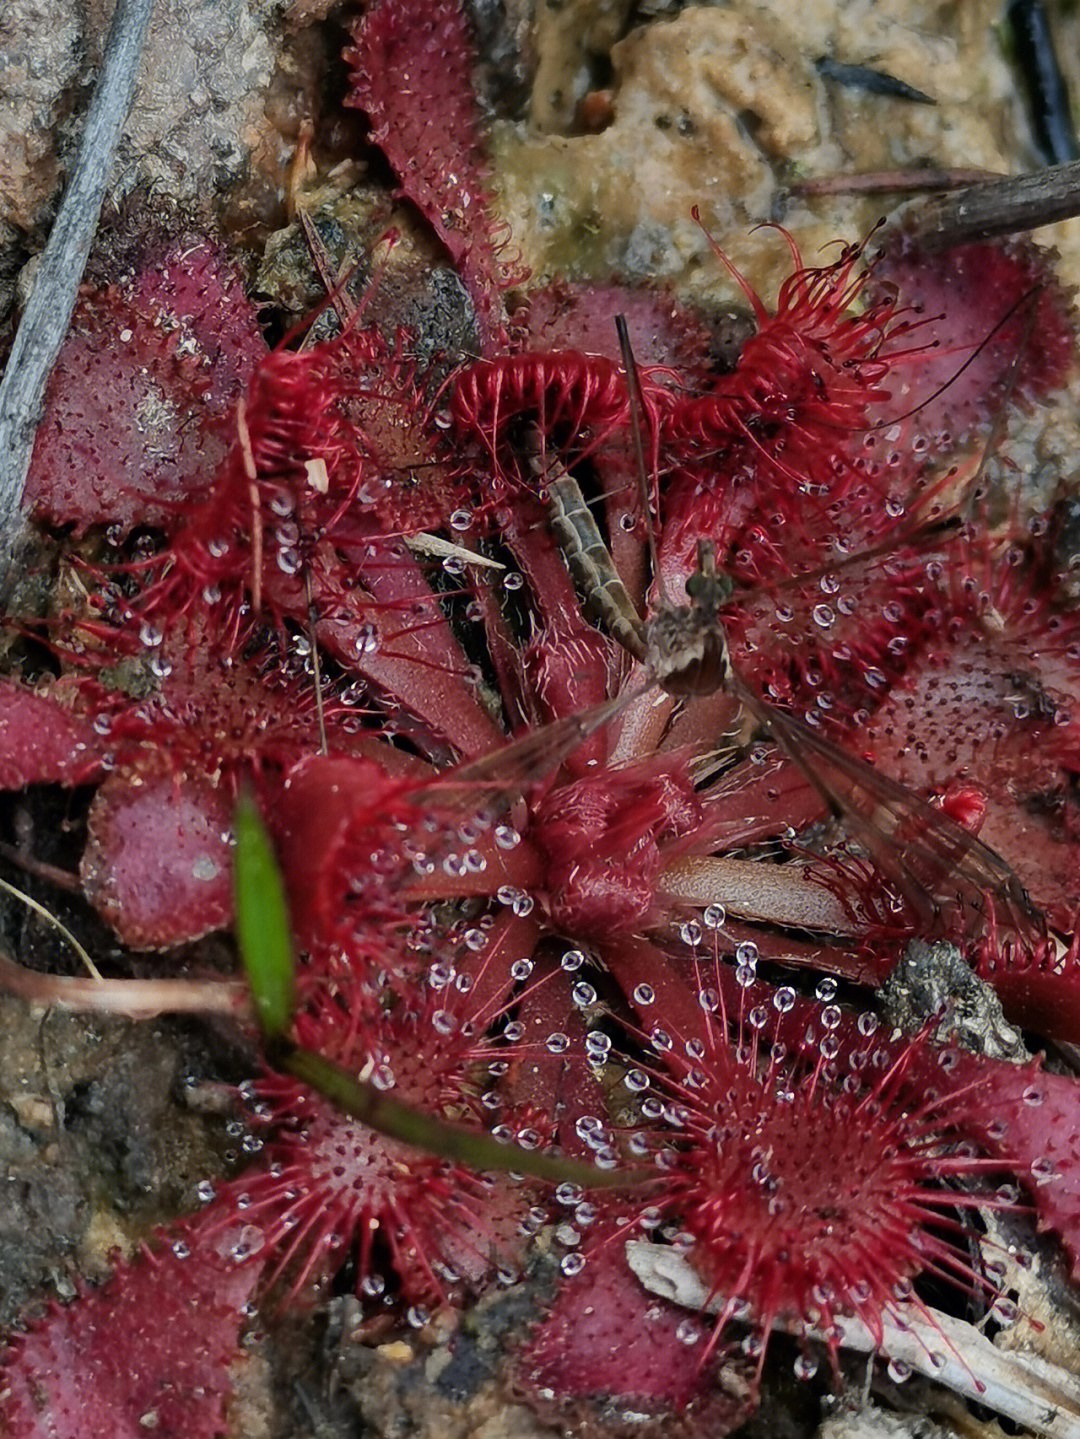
{"points": [[598, 1046]]}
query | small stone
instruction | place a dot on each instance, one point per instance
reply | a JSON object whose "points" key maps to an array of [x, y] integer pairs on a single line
{"points": [[397, 1352], [934, 979]]}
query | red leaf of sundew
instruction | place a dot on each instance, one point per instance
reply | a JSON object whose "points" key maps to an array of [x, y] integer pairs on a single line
{"points": [[158, 861], [1029, 1117], [42, 742], [574, 397], [1036, 836], [991, 317], [548, 1075], [1020, 1113], [391, 630], [1025, 1114], [358, 845], [563, 316], [756, 800], [354, 403], [806, 1186], [309, 540], [148, 1353], [605, 1344], [569, 664], [120, 437], [335, 1187], [789, 419], [412, 76], [147, 376], [605, 838], [566, 668], [329, 818], [191, 284], [990, 701], [214, 713], [1039, 986]]}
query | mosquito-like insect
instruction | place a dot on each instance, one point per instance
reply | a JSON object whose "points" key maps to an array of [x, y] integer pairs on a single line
{"points": [[683, 648]]}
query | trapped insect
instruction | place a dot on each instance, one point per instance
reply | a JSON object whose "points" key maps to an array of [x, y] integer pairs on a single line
{"points": [[930, 861]]}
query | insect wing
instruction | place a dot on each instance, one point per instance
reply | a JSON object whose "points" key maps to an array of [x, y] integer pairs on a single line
{"points": [[933, 862], [505, 772]]}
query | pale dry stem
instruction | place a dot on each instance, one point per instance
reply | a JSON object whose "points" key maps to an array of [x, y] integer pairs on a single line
{"points": [[131, 998]]}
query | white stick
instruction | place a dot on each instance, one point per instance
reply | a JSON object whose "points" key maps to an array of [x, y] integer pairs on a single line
{"points": [[1023, 1387], [60, 269], [425, 544]]}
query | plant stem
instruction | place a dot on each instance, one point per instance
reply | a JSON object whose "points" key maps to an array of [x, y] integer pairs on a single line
{"points": [[480, 1151], [132, 998], [1001, 207]]}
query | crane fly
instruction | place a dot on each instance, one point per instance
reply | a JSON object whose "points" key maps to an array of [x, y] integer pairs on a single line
{"points": [[683, 649]]}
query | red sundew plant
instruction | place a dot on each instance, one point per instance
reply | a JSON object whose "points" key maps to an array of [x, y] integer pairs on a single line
{"points": [[607, 1348], [74, 1375], [434, 142], [804, 1190], [502, 838], [143, 397], [990, 699], [964, 374], [804, 382], [333, 1188], [1018, 1113], [604, 842]]}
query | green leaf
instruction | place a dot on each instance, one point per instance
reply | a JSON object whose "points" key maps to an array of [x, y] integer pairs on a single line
{"points": [[262, 922]]}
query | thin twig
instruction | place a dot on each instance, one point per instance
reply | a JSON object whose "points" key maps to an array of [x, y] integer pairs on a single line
{"points": [[887, 182], [60, 268], [332, 283], [252, 473], [50, 918], [316, 666], [64, 879]]}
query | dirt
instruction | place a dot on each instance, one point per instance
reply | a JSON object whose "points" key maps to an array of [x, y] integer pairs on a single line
{"points": [[103, 1133]]}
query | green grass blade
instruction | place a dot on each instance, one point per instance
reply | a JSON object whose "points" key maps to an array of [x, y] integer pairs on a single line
{"points": [[262, 922], [390, 1116], [264, 937]]}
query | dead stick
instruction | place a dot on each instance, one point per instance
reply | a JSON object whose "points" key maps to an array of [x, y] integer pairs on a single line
{"points": [[887, 182], [999, 207], [60, 269], [1025, 1388], [131, 998]]}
